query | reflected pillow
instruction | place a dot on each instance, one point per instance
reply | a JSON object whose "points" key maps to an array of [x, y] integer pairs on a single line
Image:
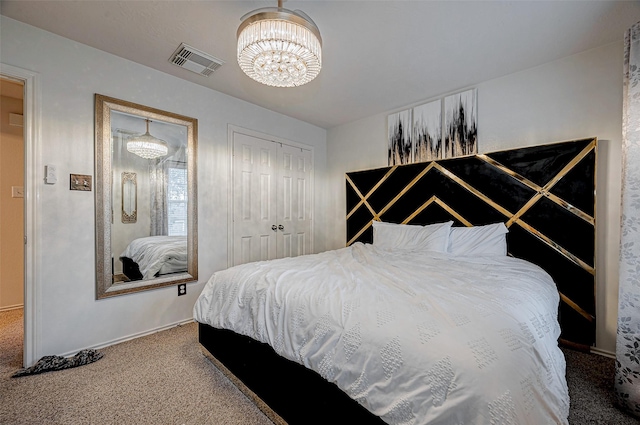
{"points": [[479, 240], [391, 236]]}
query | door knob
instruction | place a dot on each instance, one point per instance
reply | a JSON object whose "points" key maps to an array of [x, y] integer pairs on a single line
{"points": [[281, 227], [274, 228]]}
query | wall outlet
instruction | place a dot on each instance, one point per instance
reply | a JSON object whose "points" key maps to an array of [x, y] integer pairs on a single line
{"points": [[182, 289]]}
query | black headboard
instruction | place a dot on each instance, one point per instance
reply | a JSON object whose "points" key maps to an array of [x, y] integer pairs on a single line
{"points": [[544, 194]]}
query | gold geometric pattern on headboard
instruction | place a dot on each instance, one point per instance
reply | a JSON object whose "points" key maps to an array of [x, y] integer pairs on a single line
{"points": [[534, 198]]}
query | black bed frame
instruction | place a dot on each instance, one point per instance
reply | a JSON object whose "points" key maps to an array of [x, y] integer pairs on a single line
{"points": [[545, 194], [297, 394], [130, 269]]}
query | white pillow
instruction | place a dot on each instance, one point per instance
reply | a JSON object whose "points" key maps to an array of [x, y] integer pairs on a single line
{"points": [[391, 236], [479, 240]]}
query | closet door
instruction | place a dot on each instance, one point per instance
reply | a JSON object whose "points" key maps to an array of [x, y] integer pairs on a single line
{"points": [[294, 203], [271, 200], [254, 199]]}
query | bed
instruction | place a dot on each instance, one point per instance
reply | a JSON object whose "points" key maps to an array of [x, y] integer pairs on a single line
{"points": [[148, 257], [378, 333]]}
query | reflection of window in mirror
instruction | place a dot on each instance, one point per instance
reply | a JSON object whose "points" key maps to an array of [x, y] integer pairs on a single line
{"points": [[177, 200]]}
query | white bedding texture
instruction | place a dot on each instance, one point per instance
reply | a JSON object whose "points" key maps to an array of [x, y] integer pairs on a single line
{"points": [[416, 337], [158, 254]]}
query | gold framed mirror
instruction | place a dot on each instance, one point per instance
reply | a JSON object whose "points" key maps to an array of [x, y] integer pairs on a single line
{"points": [[146, 169]]}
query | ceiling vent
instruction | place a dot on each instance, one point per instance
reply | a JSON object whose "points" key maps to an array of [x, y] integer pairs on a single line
{"points": [[195, 60]]}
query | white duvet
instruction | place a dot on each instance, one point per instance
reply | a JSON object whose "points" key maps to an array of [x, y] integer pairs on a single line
{"points": [[415, 338], [158, 254]]}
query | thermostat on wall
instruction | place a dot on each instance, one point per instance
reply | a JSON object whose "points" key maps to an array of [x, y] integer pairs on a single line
{"points": [[50, 174]]}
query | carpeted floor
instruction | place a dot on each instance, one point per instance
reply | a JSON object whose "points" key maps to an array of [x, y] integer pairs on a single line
{"points": [[590, 380], [158, 379], [164, 379]]}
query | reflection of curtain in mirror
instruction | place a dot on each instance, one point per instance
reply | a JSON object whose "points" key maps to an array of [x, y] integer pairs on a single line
{"points": [[158, 186], [169, 195], [628, 340]]}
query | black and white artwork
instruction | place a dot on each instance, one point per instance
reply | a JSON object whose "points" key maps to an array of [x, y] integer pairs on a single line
{"points": [[460, 124], [399, 133], [427, 132]]}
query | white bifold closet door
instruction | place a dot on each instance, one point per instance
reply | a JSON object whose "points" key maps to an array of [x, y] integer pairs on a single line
{"points": [[271, 200]]}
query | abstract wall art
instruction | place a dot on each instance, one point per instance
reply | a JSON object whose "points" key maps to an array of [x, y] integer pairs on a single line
{"points": [[443, 128], [399, 136], [427, 132], [460, 124]]}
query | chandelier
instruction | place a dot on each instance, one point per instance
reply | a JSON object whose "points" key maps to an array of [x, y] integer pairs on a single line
{"points": [[278, 47], [146, 146]]}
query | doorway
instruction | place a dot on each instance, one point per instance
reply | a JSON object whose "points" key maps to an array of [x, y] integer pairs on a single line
{"points": [[12, 172], [30, 132]]}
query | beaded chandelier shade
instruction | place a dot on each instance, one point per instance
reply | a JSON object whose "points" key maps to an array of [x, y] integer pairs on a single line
{"points": [[146, 146], [278, 47]]}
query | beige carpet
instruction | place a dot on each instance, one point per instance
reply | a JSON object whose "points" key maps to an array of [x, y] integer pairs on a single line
{"points": [[159, 379]]}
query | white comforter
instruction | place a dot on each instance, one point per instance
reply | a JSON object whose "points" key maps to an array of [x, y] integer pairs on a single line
{"points": [[158, 254], [415, 338]]}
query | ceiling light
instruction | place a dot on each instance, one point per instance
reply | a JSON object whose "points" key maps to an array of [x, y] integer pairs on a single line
{"points": [[146, 146], [278, 47]]}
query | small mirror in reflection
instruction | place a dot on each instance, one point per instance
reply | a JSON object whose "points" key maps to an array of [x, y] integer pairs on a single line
{"points": [[129, 197]]}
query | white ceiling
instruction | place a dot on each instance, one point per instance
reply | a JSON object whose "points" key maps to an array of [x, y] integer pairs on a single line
{"points": [[377, 55]]}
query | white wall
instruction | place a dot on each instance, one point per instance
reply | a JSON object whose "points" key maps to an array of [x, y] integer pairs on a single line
{"points": [[578, 96], [70, 74]]}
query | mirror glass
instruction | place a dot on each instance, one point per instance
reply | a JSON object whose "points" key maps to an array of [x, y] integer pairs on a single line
{"points": [[146, 174]]}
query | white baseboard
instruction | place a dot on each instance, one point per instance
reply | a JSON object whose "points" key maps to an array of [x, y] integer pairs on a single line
{"points": [[130, 337], [604, 353], [11, 307]]}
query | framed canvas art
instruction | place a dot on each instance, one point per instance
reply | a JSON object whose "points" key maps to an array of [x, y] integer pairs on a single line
{"points": [[443, 128], [427, 132], [399, 136], [460, 124]]}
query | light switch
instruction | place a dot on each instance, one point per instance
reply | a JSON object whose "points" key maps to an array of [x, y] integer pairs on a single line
{"points": [[80, 182], [50, 176], [17, 192]]}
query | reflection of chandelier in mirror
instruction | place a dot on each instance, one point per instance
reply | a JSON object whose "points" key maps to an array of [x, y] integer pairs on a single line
{"points": [[146, 146], [278, 47]]}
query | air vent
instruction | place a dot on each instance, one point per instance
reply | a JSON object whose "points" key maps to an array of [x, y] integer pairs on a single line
{"points": [[195, 60]]}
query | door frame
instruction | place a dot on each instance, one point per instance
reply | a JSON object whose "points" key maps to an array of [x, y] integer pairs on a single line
{"points": [[32, 140], [231, 130]]}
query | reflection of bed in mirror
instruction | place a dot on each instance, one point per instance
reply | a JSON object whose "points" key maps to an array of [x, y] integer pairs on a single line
{"points": [[153, 256]]}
